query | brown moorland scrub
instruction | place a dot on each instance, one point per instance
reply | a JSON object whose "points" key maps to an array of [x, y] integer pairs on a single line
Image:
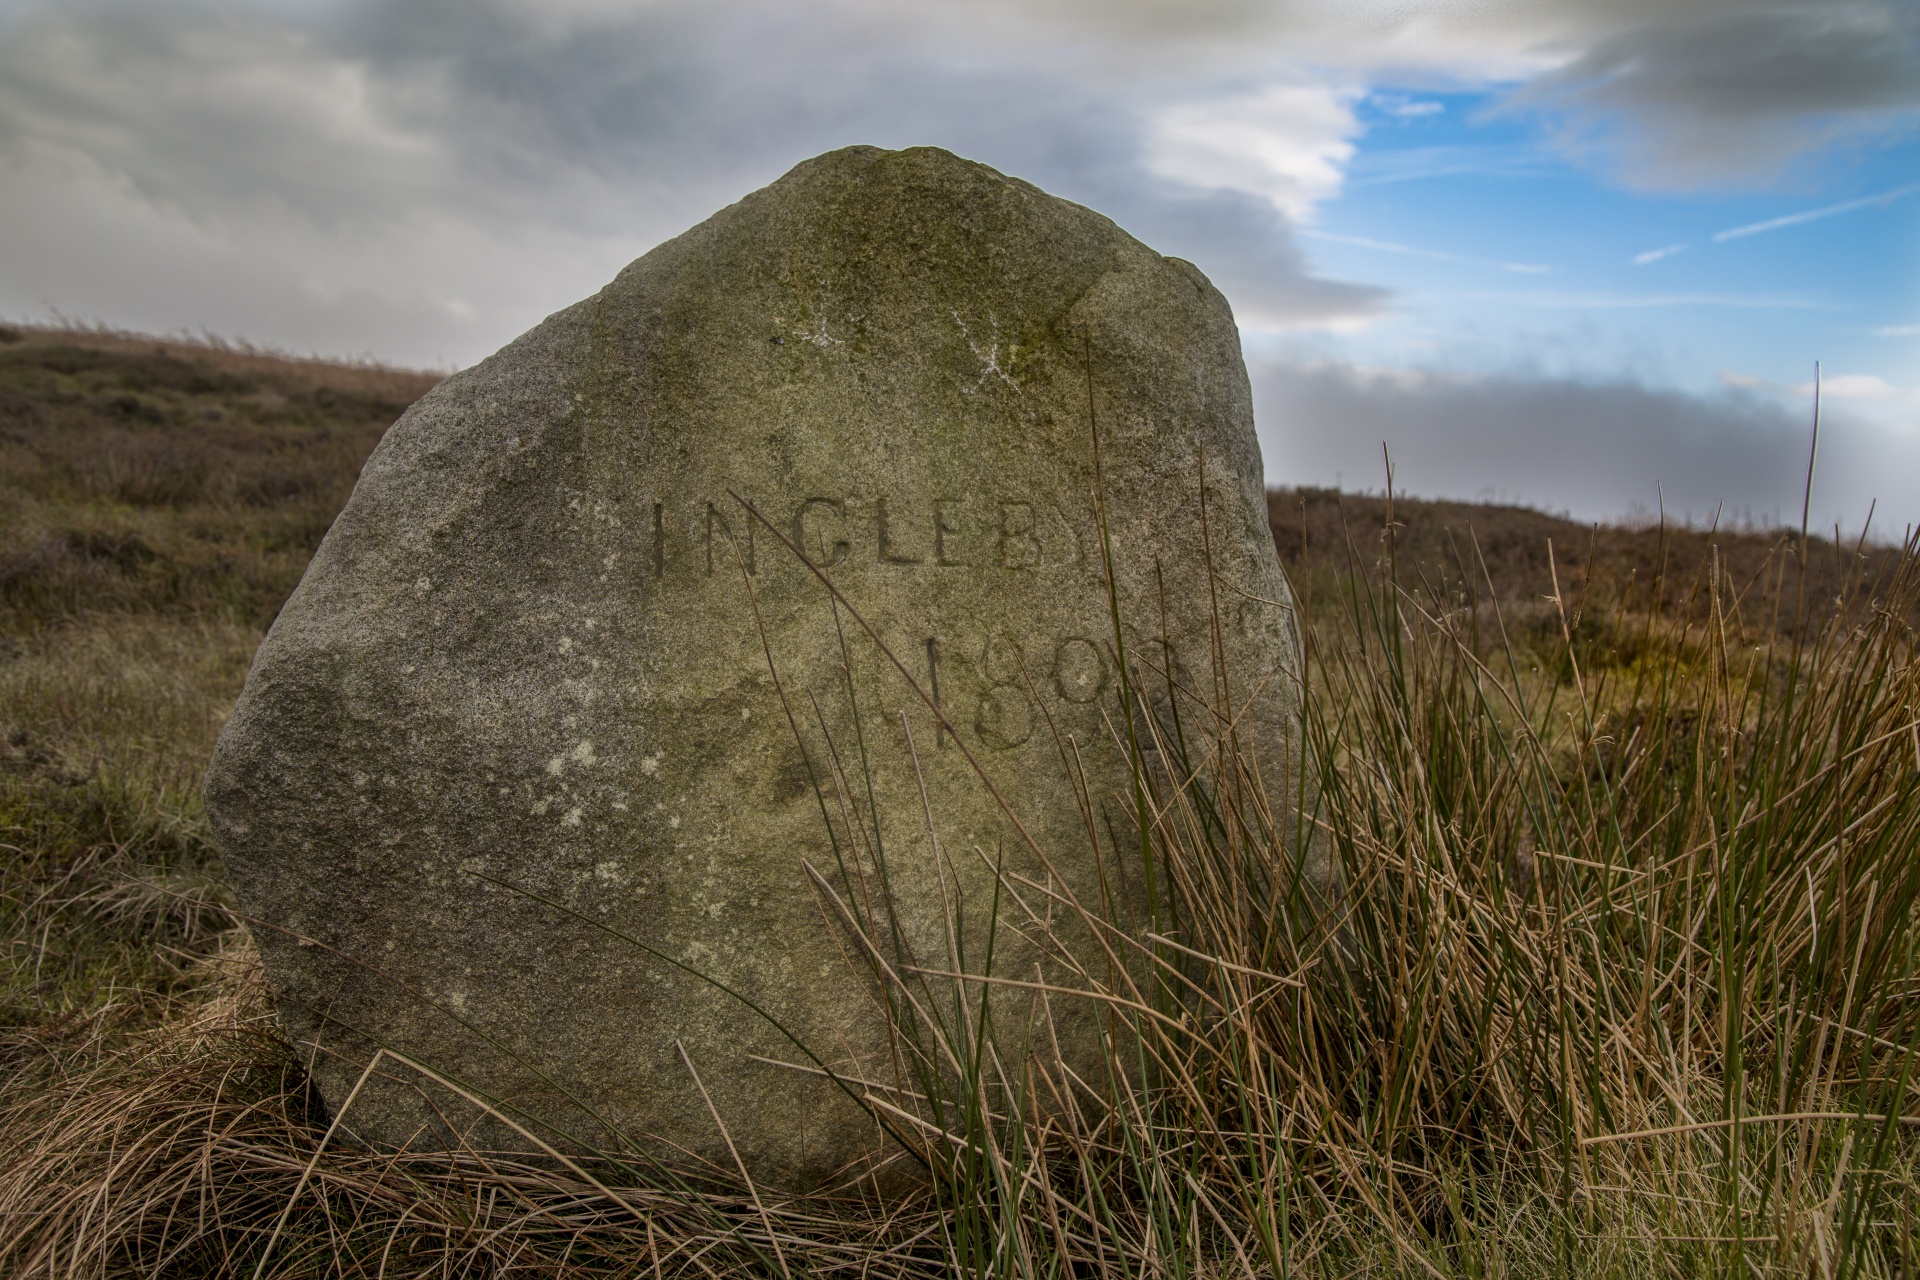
{"points": [[1620, 978]]}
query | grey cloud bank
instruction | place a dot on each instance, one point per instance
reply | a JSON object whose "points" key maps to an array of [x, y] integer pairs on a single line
{"points": [[1738, 92], [314, 138], [411, 160], [421, 179], [1594, 449]]}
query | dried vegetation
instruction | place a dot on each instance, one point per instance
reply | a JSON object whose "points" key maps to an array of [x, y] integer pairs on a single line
{"points": [[1621, 978]]}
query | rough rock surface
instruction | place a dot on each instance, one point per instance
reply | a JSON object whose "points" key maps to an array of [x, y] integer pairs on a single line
{"points": [[528, 649]]}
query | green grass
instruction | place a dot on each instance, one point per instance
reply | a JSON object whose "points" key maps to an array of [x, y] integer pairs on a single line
{"points": [[1619, 977]]}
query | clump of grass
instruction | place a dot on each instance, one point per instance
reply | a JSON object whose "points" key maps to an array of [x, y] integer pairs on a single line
{"points": [[1641, 934]]}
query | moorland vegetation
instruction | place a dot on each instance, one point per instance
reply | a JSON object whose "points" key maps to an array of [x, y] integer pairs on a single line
{"points": [[1620, 980]]}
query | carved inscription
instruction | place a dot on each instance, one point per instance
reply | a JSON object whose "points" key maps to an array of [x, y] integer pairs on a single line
{"points": [[741, 545], [659, 545], [968, 532], [1019, 546], [945, 515], [985, 684], [1078, 671], [933, 680], [820, 531], [883, 536], [1003, 715]]}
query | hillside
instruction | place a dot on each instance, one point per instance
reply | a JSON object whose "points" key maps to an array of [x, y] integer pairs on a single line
{"points": [[1461, 549], [162, 476], [156, 476]]}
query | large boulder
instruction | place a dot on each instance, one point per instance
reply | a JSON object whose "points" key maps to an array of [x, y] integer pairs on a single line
{"points": [[523, 692]]}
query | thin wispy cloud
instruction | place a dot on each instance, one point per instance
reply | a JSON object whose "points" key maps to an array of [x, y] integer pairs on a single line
{"points": [[1654, 255], [1898, 331], [1601, 301], [1855, 386], [1414, 251], [1814, 215], [1418, 164], [1839, 386], [1405, 108]]}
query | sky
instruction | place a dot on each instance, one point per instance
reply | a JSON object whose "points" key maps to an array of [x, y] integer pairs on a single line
{"points": [[1581, 254]]}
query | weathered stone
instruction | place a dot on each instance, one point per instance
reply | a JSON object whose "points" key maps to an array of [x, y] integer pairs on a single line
{"points": [[528, 649]]}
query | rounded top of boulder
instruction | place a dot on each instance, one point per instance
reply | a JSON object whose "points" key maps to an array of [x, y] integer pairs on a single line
{"points": [[921, 226], [919, 272]]}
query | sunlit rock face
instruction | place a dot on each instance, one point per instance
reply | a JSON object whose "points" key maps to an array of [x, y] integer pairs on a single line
{"points": [[513, 789]]}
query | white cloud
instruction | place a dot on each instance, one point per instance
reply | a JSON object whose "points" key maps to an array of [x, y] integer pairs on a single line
{"points": [[1654, 255], [1853, 386], [1898, 331], [436, 174], [1286, 143], [427, 179], [217, 115], [1404, 108], [425, 289]]}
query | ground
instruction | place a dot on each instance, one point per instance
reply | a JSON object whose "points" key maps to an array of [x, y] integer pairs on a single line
{"points": [[1622, 977]]}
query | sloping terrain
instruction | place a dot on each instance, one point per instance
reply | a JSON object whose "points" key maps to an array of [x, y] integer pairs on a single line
{"points": [[158, 501], [172, 478], [1516, 554]]}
